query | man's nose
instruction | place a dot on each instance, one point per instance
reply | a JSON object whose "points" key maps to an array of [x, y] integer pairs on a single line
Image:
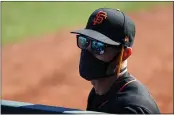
{"points": [[89, 47]]}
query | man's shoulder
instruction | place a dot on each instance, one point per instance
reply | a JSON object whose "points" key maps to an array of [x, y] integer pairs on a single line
{"points": [[137, 103], [136, 96], [135, 87], [130, 109]]}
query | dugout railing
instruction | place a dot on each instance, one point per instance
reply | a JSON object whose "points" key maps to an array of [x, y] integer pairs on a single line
{"points": [[16, 107]]}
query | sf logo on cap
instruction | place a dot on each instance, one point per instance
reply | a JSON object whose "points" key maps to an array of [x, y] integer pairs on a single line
{"points": [[99, 17]]}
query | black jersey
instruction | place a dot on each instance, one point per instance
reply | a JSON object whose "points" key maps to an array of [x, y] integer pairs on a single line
{"points": [[126, 96]]}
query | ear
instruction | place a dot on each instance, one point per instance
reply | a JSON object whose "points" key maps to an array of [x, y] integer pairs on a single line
{"points": [[127, 52]]}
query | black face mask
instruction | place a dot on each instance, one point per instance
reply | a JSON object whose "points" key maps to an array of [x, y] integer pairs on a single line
{"points": [[91, 68]]}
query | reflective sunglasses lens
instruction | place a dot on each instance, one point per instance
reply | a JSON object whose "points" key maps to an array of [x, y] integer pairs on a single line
{"points": [[98, 47], [82, 42]]}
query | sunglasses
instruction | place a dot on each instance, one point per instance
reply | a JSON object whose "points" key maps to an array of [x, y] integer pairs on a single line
{"points": [[97, 47]]}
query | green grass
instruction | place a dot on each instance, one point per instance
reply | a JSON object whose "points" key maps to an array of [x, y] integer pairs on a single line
{"points": [[23, 19]]}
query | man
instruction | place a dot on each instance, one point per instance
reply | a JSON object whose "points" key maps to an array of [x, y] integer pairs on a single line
{"points": [[106, 44]]}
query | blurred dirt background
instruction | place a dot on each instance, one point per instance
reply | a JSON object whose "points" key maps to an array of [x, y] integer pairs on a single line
{"points": [[45, 70]]}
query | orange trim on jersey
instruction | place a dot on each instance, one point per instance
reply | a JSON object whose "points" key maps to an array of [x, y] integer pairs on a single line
{"points": [[126, 85], [103, 104], [119, 91]]}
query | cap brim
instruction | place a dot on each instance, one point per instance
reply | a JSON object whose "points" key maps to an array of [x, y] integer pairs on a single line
{"points": [[96, 35]]}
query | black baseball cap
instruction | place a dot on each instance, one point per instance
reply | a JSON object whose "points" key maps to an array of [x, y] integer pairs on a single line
{"points": [[110, 26]]}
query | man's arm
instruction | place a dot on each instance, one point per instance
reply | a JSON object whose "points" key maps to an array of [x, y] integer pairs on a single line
{"points": [[134, 110]]}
